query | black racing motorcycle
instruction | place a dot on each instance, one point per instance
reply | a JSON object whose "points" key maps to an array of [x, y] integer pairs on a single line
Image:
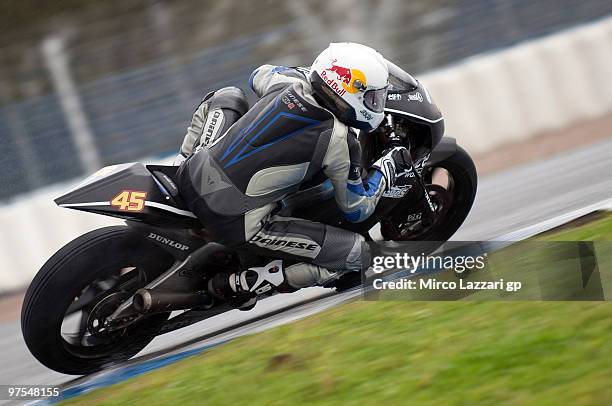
{"points": [[104, 296]]}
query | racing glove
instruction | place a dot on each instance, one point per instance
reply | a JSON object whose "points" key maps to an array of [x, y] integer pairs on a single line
{"points": [[395, 161]]}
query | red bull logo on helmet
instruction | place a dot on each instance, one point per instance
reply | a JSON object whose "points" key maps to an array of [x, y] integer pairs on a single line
{"points": [[344, 74], [345, 77], [332, 83]]}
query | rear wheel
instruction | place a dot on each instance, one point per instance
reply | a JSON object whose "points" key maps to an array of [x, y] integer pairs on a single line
{"points": [[78, 287], [451, 185]]}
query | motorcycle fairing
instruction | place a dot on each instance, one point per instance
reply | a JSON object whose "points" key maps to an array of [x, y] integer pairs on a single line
{"points": [[131, 191]]}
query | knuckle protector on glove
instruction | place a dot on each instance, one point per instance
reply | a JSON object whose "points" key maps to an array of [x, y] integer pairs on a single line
{"points": [[393, 161]]}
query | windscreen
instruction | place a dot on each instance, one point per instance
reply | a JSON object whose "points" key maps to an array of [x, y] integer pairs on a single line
{"points": [[399, 79]]}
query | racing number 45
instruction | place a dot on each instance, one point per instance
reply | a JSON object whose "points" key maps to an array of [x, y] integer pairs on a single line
{"points": [[129, 200]]}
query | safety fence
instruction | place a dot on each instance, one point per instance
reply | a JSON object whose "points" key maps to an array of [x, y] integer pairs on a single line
{"points": [[95, 90]]}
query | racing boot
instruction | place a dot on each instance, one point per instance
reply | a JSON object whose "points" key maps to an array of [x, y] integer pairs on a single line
{"points": [[241, 289]]}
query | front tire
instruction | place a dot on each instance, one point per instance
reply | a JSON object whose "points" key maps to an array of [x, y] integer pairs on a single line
{"points": [[454, 201], [97, 270]]}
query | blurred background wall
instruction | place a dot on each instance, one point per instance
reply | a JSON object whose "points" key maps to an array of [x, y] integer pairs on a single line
{"points": [[125, 76], [85, 84]]}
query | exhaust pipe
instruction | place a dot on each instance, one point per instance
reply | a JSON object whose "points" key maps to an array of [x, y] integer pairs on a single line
{"points": [[151, 301]]}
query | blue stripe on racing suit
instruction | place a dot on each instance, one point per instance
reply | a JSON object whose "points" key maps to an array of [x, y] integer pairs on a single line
{"points": [[373, 183]]}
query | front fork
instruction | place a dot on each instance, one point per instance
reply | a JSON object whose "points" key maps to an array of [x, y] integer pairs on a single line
{"points": [[418, 196], [419, 184]]}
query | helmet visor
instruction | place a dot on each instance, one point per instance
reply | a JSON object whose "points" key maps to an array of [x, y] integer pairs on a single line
{"points": [[375, 99]]}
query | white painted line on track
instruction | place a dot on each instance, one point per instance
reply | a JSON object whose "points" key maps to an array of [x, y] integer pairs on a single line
{"points": [[556, 221]]}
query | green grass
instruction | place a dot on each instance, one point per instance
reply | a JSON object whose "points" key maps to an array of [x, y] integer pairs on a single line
{"points": [[431, 353]]}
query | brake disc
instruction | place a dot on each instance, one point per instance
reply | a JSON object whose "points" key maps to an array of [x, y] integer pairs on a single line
{"points": [[395, 229]]}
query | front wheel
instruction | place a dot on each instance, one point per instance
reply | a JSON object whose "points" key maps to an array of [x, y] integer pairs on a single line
{"points": [[78, 287], [451, 185]]}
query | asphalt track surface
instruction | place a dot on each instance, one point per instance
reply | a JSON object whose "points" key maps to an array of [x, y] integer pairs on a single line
{"points": [[506, 201]]}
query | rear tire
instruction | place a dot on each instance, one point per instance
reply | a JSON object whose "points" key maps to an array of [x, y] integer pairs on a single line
{"points": [[66, 276]]}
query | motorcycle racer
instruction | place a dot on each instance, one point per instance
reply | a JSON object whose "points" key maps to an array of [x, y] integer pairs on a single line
{"points": [[239, 163]]}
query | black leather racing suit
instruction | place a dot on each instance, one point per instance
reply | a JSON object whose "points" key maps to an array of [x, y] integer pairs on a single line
{"points": [[242, 169]]}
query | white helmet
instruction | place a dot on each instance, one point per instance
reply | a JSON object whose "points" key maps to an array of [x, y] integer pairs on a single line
{"points": [[351, 81]]}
